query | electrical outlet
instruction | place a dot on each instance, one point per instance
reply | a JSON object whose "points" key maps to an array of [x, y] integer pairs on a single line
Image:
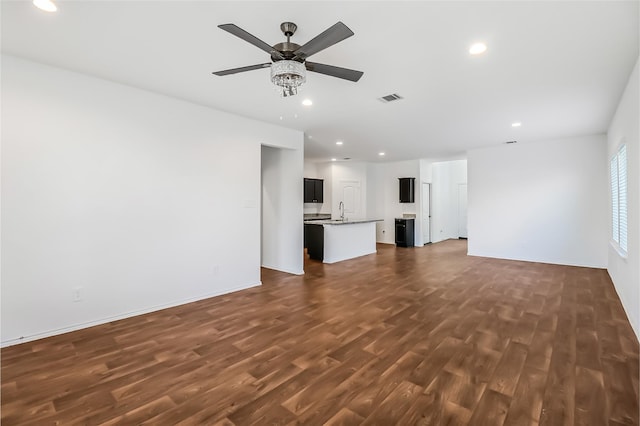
{"points": [[77, 294], [216, 269]]}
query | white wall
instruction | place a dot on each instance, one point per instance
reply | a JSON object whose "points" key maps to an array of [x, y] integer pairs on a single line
{"points": [[141, 200], [375, 203], [388, 205], [325, 173], [625, 272], [282, 190], [542, 201], [311, 171]]}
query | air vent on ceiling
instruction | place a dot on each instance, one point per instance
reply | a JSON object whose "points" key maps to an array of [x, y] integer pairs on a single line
{"points": [[510, 142], [390, 98]]}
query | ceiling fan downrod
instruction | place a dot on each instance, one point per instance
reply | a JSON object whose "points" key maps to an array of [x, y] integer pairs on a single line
{"points": [[289, 29]]}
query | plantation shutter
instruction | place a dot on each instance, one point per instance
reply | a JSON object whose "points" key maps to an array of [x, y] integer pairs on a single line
{"points": [[622, 196], [615, 226]]}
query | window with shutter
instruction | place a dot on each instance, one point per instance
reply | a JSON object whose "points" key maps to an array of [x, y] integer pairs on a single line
{"points": [[619, 199]]}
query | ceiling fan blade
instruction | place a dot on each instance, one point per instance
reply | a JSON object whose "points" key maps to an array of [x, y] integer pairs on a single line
{"points": [[344, 73], [239, 32], [242, 69], [329, 37]]}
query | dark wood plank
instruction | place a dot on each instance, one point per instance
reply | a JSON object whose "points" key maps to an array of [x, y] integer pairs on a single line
{"points": [[558, 407], [526, 403], [491, 410], [507, 374], [449, 398], [622, 400], [430, 366], [366, 401], [395, 405], [344, 417], [591, 404]]}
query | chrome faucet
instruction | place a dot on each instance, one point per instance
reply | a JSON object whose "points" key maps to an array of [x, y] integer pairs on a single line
{"points": [[341, 209]]}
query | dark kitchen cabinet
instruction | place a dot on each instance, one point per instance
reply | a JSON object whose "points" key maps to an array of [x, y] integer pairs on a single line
{"points": [[314, 235], [407, 190], [404, 232], [313, 190]]}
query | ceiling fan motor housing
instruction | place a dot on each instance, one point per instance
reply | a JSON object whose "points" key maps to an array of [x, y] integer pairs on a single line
{"points": [[286, 48]]}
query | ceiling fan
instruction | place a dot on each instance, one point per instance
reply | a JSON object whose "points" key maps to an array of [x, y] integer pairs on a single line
{"points": [[289, 60]]}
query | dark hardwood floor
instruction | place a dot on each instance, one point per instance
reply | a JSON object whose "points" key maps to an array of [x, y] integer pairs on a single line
{"points": [[423, 336]]}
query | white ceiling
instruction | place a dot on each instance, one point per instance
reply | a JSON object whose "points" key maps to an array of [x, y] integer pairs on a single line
{"points": [[558, 67]]}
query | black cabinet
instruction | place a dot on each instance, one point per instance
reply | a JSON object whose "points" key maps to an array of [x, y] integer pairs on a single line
{"points": [[313, 190], [314, 236], [404, 232], [407, 190]]}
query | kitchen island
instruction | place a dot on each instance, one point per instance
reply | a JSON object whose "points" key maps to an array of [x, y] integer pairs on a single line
{"points": [[335, 240]]}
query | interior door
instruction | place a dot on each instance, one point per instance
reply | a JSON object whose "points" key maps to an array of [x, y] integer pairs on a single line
{"points": [[462, 210], [426, 212], [350, 190]]}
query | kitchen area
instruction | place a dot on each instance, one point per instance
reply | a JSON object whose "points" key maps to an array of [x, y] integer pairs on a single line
{"points": [[330, 239], [406, 203]]}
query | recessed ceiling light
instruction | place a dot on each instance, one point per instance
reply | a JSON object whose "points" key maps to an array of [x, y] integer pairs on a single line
{"points": [[334, 159], [516, 124], [381, 154], [46, 5], [307, 102], [477, 48], [339, 143], [280, 117]]}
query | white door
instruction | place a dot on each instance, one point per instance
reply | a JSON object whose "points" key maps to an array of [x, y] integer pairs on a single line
{"points": [[426, 212], [462, 210], [350, 191]]}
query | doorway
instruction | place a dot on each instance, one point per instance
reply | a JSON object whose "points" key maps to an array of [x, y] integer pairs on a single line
{"points": [[462, 210], [426, 212], [350, 196], [281, 210]]}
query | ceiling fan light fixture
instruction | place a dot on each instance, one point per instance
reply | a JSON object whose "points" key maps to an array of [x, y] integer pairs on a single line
{"points": [[287, 76]]}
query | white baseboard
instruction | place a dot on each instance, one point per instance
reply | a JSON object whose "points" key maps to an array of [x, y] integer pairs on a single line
{"points": [[288, 271], [80, 326]]}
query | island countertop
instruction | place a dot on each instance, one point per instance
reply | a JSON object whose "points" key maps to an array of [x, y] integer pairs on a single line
{"points": [[336, 240], [340, 222]]}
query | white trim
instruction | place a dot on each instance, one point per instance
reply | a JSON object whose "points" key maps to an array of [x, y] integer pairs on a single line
{"points": [[561, 262], [623, 254], [625, 306], [288, 271], [80, 326]]}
